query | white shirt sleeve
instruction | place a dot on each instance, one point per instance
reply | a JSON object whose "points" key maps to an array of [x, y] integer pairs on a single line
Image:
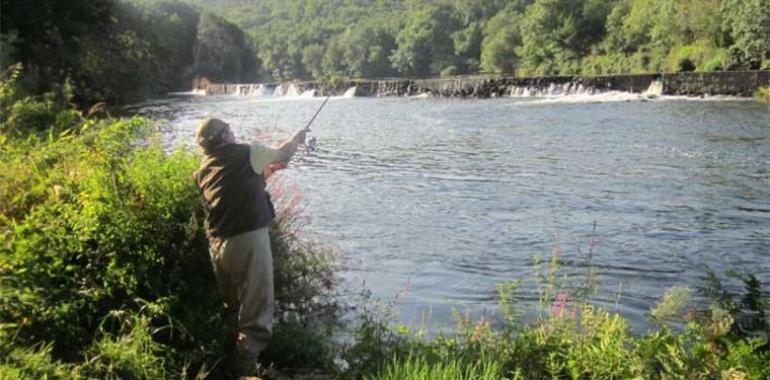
{"points": [[261, 155]]}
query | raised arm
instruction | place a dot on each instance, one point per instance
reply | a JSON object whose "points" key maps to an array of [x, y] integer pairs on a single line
{"points": [[287, 149], [266, 160]]}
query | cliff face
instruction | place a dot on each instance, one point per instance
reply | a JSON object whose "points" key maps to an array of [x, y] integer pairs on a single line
{"points": [[738, 83]]}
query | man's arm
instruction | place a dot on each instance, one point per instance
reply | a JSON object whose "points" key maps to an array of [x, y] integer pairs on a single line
{"points": [[287, 149], [265, 160]]}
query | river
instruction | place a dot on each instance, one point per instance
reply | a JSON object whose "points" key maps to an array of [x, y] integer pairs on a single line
{"points": [[432, 202]]}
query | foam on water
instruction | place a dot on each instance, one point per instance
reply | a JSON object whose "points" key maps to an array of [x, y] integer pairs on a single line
{"points": [[576, 93], [307, 94], [423, 95], [196, 92], [287, 90], [350, 93], [619, 96]]}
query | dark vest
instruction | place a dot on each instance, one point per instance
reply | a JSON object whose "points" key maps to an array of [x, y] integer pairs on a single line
{"points": [[234, 196]]}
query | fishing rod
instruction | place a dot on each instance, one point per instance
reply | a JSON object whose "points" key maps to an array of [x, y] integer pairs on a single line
{"points": [[307, 127]]}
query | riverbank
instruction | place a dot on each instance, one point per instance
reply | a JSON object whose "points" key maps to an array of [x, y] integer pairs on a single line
{"points": [[735, 83], [105, 275]]}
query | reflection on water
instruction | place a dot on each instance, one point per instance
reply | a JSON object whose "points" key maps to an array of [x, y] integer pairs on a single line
{"points": [[451, 197]]}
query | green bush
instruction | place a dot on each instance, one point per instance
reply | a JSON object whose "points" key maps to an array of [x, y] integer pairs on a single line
{"points": [[33, 362], [450, 71], [700, 56], [573, 339], [99, 223], [419, 368], [21, 115], [763, 95]]}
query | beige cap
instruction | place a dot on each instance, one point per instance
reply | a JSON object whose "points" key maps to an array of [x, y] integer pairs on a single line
{"points": [[208, 130]]}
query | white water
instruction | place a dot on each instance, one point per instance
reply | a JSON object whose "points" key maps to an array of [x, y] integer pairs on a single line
{"points": [[573, 93], [287, 90], [255, 89], [554, 93], [655, 89], [350, 93], [423, 95], [196, 92], [554, 89]]}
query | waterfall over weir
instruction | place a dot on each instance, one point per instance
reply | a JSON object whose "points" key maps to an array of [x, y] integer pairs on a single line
{"points": [[553, 89], [649, 86], [350, 92], [655, 89], [285, 90], [253, 90]]}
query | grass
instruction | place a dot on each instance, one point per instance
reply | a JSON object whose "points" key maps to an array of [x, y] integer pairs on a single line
{"points": [[418, 368]]}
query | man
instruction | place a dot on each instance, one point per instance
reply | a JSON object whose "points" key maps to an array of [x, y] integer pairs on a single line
{"points": [[238, 212]]}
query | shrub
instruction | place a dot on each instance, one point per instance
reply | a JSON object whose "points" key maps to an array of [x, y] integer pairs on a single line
{"points": [[700, 56], [33, 362], [419, 368], [21, 115], [100, 222], [450, 71], [763, 95], [574, 339]]}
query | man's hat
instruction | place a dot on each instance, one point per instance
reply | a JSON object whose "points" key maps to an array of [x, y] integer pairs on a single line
{"points": [[208, 130]]}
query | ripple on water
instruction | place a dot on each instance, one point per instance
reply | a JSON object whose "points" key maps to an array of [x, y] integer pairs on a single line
{"points": [[438, 201]]}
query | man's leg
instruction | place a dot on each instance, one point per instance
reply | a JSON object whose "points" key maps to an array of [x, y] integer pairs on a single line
{"points": [[229, 293], [249, 260]]}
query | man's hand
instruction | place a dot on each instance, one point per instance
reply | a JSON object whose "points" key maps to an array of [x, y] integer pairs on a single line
{"points": [[272, 168]]}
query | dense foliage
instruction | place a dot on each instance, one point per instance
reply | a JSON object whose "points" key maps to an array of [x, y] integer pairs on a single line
{"points": [[574, 339], [104, 268], [120, 52], [104, 274], [124, 50], [380, 38], [763, 94]]}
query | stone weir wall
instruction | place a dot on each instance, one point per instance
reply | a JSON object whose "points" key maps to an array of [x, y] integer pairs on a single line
{"points": [[738, 83]]}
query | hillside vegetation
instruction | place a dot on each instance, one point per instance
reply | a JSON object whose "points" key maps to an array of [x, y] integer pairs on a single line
{"points": [[381, 38], [119, 52], [123, 51]]}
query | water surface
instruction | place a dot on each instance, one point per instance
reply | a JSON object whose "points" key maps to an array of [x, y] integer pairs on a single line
{"points": [[438, 200]]}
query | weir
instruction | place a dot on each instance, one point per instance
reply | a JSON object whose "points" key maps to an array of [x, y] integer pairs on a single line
{"points": [[736, 83]]}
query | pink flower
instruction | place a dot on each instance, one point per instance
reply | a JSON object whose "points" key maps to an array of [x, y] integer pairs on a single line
{"points": [[557, 308]]}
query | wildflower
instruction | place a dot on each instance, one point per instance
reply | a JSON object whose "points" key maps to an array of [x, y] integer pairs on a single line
{"points": [[557, 308]]}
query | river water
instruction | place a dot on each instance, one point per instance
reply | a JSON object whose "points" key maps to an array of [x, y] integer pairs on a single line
{"points": [[432, 202]]}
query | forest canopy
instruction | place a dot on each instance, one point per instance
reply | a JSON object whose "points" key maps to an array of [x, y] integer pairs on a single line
{"points": [[381, 38], [119, 51]]}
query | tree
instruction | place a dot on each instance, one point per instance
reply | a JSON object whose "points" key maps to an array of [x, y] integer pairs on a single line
{"points": [[174, 28], [48, 38], [502, 35], [222, 51], [748, 23], [334, 59], [550, 37], [367, 47], [312, 58], [424, 44], [467, 44]]}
